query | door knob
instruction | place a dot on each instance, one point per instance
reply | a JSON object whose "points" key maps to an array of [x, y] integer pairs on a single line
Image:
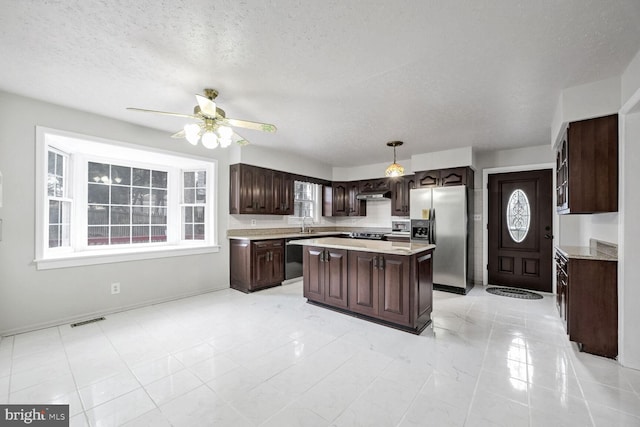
{"points": [[548, 236]]}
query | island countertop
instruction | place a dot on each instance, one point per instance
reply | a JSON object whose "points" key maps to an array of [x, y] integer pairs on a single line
{"points": [[378, 246]]}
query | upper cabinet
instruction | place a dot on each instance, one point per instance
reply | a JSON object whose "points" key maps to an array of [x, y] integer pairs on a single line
{"points": [[256, 190], [369, 185], [400, 191], [344, 200], [587, 167], [444, 177]]}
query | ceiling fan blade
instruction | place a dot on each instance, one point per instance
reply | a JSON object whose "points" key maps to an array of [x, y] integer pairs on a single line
{"points": [[239, 139], [166, 113], [264, 127], [179, 134], [207, 106]]}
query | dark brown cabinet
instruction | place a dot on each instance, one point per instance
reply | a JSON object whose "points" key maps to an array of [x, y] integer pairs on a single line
{"points": [[256, 264], [587, 167], [587, 298], [325, 275], [370, 185], [379, 286], [400, 194], [344, 200], [256, 190], [444, 177]]}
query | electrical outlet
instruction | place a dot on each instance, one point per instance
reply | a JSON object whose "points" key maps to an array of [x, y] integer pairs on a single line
{"points": [[115, 288], [253, 222]]}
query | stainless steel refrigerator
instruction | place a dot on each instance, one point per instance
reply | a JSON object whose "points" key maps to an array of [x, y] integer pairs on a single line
{"points": [[440, 215]]}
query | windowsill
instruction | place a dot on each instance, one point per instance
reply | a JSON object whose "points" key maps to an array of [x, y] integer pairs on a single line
{"points": [[77, 259]]}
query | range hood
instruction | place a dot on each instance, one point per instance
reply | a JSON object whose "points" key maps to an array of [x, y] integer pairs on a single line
{"points": [[374, 195]]}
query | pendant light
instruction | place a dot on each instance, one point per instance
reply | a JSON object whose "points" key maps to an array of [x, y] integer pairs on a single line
{"points": [[394, 168]]}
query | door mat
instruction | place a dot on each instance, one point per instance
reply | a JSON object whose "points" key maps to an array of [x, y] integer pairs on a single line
{"points": [[514, 293]]}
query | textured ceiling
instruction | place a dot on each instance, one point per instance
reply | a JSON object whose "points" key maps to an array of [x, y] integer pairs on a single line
{"points": [[338, 78]]}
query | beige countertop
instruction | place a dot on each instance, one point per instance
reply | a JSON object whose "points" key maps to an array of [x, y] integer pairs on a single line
{"points": [[287, 235], [378, 246], [597, 251]]}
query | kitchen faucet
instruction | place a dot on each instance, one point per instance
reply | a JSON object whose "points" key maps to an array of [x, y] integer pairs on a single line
{"points": [[303, 229]]}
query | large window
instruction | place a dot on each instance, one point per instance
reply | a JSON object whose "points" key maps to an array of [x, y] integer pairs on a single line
{"points": [[103, 198], [307, 201]]}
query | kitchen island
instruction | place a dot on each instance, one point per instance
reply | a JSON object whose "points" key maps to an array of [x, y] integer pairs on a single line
{"points": [[386, 282]]}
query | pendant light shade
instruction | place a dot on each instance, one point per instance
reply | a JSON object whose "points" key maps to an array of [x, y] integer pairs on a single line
{"points": [[394, 168]]}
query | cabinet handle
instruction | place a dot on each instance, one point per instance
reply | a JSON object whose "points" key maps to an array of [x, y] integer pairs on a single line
{"points": [[375, 262], [381, 263]]}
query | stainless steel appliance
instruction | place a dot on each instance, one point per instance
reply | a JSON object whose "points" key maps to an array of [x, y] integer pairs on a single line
{"points": [[369, 235], [440, 216]]}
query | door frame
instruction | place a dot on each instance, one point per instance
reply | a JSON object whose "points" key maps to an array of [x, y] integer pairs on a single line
{"points": [[485, 213]]}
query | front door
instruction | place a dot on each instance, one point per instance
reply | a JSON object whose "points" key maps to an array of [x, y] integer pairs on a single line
{"points": [[520, 230]]}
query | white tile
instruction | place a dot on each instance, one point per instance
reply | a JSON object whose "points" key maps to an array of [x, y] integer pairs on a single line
{"points": [[455, 391], [196, 354], [152, 370], [202, 407], [174, 385], [79, 420], [614, 398], [503, 385], [558, 404], [260, 403], [491, 410], [426, 411], [108, 389], [213, 367], [121, 410], [292, 416], [153, 418], [606, 417], [4, 389]]}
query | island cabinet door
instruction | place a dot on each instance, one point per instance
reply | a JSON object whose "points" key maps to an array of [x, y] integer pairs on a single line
{"points": [[313, 273], [363, 282], [394, 288], [335, 277]]}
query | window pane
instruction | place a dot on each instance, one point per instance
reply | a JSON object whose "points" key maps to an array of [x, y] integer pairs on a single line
{"points": [[140, 196], [187, 214], [198, 214], [99, 172], [120, 195], [158, 197], [54, 212], [141, 177], [65, 235], [120, 235], [54, 239], [59, 165], [201, 179], [158, 234], [159, 216], [198, 232], [159, 179], [518, 215], [188, 232], [189, 179], [51, 163], [98, 236], [201, 195], [98, 193], [140, 234], [189, 196], [120, 215], [98, 215], [121, 175], [141, 215]]}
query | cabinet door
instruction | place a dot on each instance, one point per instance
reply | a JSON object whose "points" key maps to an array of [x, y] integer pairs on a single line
{"points": [[394, 288], [335, 277], [340, 195], [427, 179], [262, 190], [398, 197], [423, 282], [451, 177], [254, 183], [363, 282], [313, 273], [356, 207], [234, 189], [277, 262], [262, 267], [379, 184], [282, 193]]}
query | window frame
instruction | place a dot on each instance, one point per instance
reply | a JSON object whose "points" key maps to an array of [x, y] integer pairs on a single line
{"points": [[317, 203], [96, 149]]}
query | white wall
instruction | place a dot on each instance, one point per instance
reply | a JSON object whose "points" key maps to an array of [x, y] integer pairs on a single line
{"points": [[273, 159], [373, 171], [443, 159], [31, 298]]}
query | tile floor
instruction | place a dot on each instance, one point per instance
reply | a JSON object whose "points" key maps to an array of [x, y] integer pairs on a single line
{"points": [[270, 359]]}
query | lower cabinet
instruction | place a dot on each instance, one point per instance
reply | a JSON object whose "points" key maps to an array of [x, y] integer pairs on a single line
{"points": [[325, 275], [393, 289], [256, 264], [592, 305]]}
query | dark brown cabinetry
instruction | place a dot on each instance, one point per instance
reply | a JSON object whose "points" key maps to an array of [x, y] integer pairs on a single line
{"points": [[588, 301], [256, 264], [587, 167], [344, 200], [444, 177], [256, 190], [371, 185], [325, 275], [400, 194]]}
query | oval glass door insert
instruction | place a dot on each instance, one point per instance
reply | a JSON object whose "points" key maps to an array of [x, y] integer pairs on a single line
{"points": [[518, 215]]}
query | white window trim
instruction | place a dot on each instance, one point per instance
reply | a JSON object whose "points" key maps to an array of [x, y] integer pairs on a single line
{"points": [[292, 219], [66, 257]]}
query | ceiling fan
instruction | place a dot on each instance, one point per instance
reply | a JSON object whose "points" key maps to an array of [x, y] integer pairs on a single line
{"points": [[214, 127]]}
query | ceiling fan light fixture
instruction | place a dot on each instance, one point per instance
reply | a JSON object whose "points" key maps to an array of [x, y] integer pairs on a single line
{"points": [[394, 169], [209, 140], [224, 142], [225, 132]]}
